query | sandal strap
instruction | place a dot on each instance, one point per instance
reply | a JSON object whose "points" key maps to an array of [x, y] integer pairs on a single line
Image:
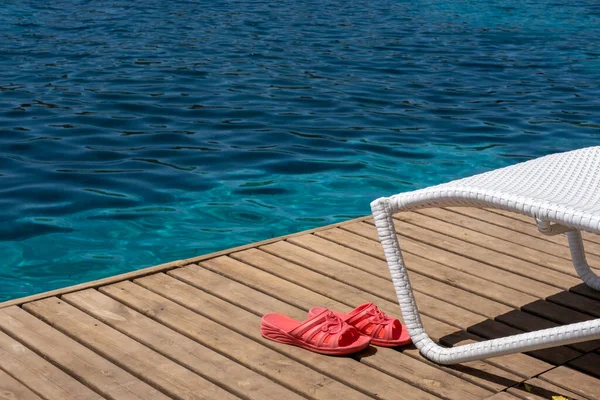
{"points": [[372, 316], [323, 330]]}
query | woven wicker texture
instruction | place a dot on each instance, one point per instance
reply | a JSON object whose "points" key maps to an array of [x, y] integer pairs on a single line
{"points": [[563, 187]]}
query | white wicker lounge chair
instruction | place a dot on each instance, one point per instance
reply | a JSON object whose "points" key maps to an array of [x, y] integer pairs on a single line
{"points": [[560, 191]]}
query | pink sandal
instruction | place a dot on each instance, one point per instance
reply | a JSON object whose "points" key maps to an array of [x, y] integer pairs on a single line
{"points": [[371, 321], [322, 332]]}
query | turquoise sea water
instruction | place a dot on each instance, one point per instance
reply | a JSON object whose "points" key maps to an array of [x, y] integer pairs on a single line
{"points": [[136, 133]]}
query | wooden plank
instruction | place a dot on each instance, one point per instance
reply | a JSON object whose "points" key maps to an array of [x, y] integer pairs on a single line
{"points": [[46, 380], [162, 267], [555, 355], [444, 333], [192, 355], [502, 396], [169, 377], [345, 293], [474, 219], [354, 241], [589, 363], [80, 362], [392, 362], [232, 344], [322, 247], [573, 381], [482, 373], [412, 367], [522, 365], [592, 238], [295, 295], [555, 312], [537, 389], [256, 280], [361, 252], [456, 261], [374, 284], [523, 224], [584, 290], [485, 256], [515, 250], [529, 322], [236, 318], [576, 302], [11, 389], [562, 316]]}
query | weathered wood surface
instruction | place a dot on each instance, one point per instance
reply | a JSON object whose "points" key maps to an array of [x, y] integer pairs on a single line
{"points": [[190, 329]]}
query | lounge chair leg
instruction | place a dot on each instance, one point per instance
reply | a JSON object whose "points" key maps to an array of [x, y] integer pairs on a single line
{"points": [[579, 261], [561, 335]]}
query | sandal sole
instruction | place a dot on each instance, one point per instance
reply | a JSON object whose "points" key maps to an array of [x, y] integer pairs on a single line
{"points": [[280, 337]]}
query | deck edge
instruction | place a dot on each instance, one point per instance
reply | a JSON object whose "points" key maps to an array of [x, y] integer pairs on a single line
{"points": [[165, 267]]}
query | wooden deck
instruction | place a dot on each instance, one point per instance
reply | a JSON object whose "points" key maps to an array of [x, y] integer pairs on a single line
{"points": [[190, 329]]}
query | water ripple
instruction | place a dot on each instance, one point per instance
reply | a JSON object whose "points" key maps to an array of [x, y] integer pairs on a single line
{"points": [[131, 136]]}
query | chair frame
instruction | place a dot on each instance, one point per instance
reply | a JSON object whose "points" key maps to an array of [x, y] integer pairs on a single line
{"points": [[383, 209]]}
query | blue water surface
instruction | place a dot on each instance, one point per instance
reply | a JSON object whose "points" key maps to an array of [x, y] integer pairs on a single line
{"points": [[135, 133]]}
